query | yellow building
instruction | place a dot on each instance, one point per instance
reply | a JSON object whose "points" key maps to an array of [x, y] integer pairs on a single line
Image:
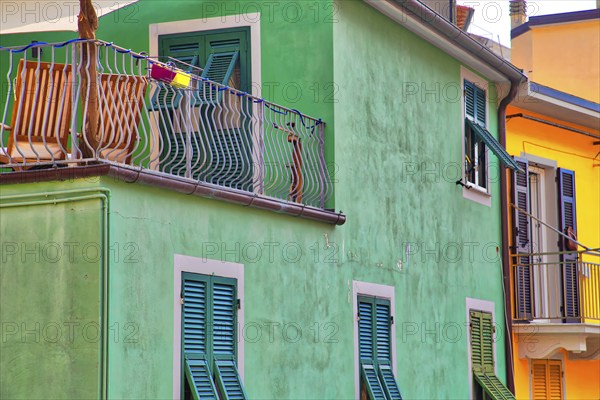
{"points": [[553, 128]]}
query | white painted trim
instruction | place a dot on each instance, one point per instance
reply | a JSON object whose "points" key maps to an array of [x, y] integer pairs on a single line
{"points": [[203, 266], [382, 292], [475, 193], [479, 305], [251, 20]]}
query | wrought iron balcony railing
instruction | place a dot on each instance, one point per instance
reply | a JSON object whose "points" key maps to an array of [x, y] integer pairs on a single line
{"points": [[92, 101], [556, 287]]}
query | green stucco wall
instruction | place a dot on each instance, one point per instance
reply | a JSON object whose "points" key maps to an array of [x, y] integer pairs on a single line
{"points": [[50, 296], [399, 130], [395, 156]]}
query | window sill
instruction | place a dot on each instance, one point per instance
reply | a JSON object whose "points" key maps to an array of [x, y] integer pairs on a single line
{"points": [[477, 194]]}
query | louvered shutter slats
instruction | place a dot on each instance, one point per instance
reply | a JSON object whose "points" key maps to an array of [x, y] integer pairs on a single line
{"points": [[373, 384], [374, 347], [476, 341], [482, 355], [487, 349], [469, 99], [522, 240], [365, 331], [555, 380], [209, 335], [200, 380], [546, 380], [568, 218], [493, 387], [224, 303], [194, 317], [229, 380], [389, 383], [539, 384], [382, 318]]}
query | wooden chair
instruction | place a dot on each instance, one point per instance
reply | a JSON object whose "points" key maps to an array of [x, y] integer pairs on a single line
{"points": [[121, 102], [41, 116]]}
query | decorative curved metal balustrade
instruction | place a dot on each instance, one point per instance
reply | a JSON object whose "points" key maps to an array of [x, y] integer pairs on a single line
{"points": [[92, 101]]}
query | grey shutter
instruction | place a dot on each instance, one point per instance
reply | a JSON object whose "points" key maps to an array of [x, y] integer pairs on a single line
{"points": [[568, 218], [522, 241]]}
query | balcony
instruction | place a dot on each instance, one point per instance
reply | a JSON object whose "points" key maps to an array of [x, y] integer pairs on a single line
{"points": [[94, 103], [556, 303]]}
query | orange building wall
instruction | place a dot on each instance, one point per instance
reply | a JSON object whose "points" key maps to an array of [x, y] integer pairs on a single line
{"points": [[570, 150], [576, 152], [581, 377], [563, 56]]}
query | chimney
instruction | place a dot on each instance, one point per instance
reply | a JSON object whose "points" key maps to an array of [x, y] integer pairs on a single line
{"points": [[517, 13]]}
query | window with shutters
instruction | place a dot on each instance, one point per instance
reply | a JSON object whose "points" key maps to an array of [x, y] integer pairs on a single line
{"points": [[546, 380], [486, 384], [209, 337], [545, 273], [377, 381], [220, 149], [476, 155]]}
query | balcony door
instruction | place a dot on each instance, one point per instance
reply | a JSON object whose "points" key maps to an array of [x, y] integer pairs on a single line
{"points": [[547, 287]]}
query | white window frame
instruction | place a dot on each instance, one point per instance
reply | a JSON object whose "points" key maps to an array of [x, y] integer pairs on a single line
{"points": [[374, 290], [475, 192], [203, 266], [478, 305]]}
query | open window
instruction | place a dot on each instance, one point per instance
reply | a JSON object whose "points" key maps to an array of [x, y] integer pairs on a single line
{"points": [[546, 278], [207, 130], [478, 141]]}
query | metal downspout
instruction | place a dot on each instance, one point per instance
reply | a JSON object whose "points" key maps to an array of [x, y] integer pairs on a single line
{"points": [[508, 345], [104, 197]]}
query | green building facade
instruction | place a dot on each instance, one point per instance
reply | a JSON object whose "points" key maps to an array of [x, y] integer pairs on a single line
{"points": [[92, 277]]}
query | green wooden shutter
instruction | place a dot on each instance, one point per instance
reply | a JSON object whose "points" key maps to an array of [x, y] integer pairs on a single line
{"points": [[389, 382], [199, 378], [383, 338], [493, 387], [224, 341], [469, 99], [372, 383], [219, 66], [374, 347], [568, 218], [367, 348], [228, 379], [480, 106], [186, 48], [224, 317], [475, 103], [522, 240], [482, 354], [196, 346], [383, 331], [365, 330], [195, 315]]}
